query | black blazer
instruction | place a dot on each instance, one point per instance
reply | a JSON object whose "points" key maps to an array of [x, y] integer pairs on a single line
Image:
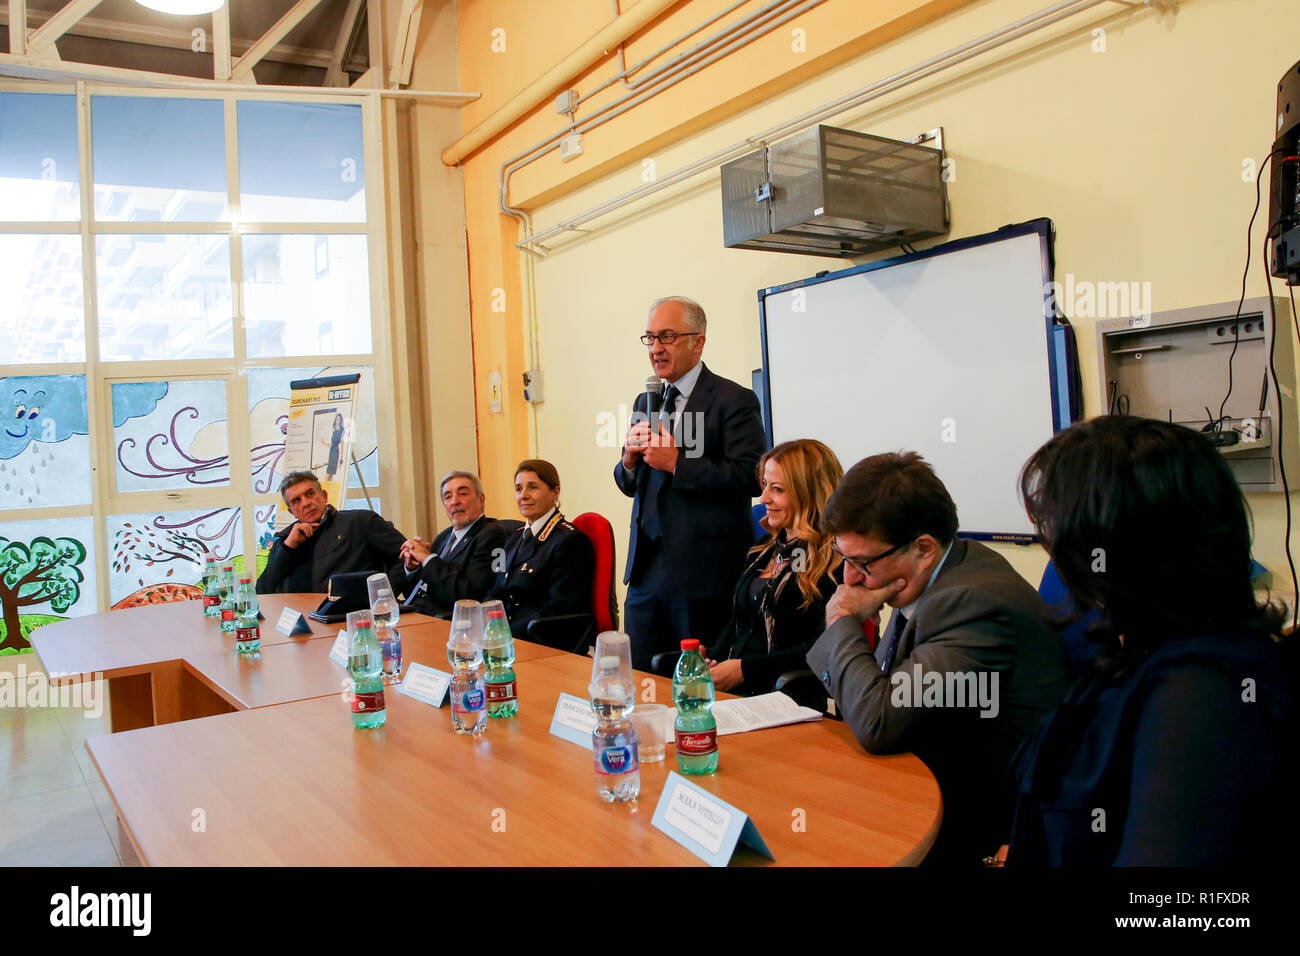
{"points": [[467, 573], [345, 541], [704, 507], [545, 575], [795, 629]]}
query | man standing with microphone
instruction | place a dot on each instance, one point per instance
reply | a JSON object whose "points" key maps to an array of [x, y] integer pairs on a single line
{"points": [[691, 469]]}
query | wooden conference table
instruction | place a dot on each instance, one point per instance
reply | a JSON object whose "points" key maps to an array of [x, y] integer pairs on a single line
{"points": [[281, 777]]}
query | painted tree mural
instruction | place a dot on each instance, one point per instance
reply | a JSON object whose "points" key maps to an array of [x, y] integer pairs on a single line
{"points": [[43, 571]]}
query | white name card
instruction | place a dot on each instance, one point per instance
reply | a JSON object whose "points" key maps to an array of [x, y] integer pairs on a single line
{"points": [[708, 827], [292, 622], [425, 684], [573, 720], [339, 652]]}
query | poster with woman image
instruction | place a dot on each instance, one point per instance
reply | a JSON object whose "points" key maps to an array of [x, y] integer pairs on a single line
{"points": [[319, 435]]}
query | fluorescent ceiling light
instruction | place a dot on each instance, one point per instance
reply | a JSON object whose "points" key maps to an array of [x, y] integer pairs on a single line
{"points": [[182, 7]]}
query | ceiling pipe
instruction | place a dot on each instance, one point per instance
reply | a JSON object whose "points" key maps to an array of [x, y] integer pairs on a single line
{"points": [[557, 78]]}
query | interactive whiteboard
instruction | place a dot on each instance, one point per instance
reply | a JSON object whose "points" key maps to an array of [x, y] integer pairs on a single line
{"points": [[948, 353]]}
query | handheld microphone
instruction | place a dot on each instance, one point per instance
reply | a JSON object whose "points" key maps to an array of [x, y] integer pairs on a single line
{"points": [[654, 397]]}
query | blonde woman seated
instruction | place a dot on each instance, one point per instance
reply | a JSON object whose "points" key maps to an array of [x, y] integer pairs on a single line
{"points": [[779, 604]]}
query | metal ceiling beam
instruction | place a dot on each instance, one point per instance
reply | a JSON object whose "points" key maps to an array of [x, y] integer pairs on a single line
{"points": [[242, 71], [176, 39], [334, 74], [51, 70], [43, 38]]}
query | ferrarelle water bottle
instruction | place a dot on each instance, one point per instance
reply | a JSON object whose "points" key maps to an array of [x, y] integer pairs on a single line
{"points": [[697, 730]]}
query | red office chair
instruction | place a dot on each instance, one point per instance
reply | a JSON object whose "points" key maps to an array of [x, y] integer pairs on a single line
{"points": [[577, 632]]}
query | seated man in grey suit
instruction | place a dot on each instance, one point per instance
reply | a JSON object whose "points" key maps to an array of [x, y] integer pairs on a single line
{"points": [[458, 564], [967, 665]]}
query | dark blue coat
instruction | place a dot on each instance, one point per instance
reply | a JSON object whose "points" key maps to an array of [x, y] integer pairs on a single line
{"points": [[1187, 759]]}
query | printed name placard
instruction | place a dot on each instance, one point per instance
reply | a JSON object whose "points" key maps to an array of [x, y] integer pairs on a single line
{"points": [[573, 720], [708, 827], [339, 652], [291, 622], [425, 684]]}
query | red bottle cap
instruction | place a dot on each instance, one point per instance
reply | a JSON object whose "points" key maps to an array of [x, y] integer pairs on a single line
{"points": [[245, 580], [492, 614], [690, 644]]}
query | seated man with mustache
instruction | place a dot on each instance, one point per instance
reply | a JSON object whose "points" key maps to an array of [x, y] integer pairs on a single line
{"points": [[458, 564]]}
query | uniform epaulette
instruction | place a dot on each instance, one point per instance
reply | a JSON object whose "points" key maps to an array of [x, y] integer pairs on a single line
{"points": [[556, 519]]}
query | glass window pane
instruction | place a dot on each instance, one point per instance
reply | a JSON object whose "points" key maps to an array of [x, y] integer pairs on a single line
{"points": [[301, 162], [39, 173], [44, 443], [170, 435], [57, 557], [268, 408], [158, 159], [164, 297], [43, 317], [159, 557], [264, 515], [306, 295]]}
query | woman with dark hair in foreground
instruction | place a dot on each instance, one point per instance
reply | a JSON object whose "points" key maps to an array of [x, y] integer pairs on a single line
{"points": [[1178, 746]]}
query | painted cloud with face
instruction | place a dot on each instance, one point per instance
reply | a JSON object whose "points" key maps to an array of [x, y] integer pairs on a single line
{"points": [[44, 408]]}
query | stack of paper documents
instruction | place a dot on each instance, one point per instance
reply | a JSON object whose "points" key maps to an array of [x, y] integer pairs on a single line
{"points": [[744, 714]]}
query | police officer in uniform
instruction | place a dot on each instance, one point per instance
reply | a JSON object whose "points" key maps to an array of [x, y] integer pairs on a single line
{"points": [[549, 563]]}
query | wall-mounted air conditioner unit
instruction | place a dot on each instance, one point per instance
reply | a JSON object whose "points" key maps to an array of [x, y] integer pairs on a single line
{"points": [[834, 192]]}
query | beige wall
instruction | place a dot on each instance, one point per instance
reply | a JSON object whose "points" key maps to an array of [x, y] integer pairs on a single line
{"points": [[507, 45], [1135, 152], [431, 275]]}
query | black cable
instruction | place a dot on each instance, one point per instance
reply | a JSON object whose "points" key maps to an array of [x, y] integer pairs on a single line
{"points": [[1280, 440], [1236, 334]]}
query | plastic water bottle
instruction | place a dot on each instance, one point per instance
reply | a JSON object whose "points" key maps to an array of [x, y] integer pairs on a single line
{"points": [[366, 665], [248, 632], [499, 652], [384, 607], [468, 691], [390, 643], [211, 587], [696, 729], [614, 741], [227, 584]]}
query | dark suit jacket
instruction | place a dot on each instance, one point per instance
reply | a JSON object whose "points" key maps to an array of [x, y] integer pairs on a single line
{"points": [[345, 541], [466, 573], [794, 629], [704, 507], [545, 575], [979, 616]]}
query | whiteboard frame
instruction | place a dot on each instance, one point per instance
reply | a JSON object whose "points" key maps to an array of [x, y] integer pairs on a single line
{"points": [[1060, 400]]}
